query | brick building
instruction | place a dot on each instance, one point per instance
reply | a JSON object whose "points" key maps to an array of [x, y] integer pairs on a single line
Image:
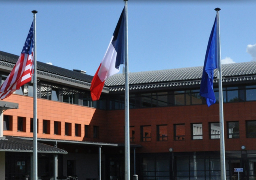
{"points": [[174, 135]]}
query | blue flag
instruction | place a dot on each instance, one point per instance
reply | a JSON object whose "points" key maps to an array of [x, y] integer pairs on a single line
{"points": [[210, 63]]}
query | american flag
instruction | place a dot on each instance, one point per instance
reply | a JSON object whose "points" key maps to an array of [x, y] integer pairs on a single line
{"points": [[22, 71]]}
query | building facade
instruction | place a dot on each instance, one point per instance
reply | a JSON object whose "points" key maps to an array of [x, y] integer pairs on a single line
{"points": [[174, 135]]}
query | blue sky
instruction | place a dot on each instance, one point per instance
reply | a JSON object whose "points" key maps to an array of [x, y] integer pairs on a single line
{"points": [[162, 34]]}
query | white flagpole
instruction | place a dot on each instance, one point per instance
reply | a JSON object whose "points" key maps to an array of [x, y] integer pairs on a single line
{"points": [[127, 124], [35, 105], [221, 113]]}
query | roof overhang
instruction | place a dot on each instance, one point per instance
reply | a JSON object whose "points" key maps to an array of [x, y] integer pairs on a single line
{"points": [[16, 144], [83, 142]]}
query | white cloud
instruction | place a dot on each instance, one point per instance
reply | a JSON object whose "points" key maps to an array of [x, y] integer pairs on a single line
{"points": [[251, 49], [227, 60], [49, 63]]}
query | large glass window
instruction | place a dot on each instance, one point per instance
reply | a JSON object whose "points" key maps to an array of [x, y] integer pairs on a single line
{"points": [[252, 168], [198, 166], [145, 133], [162, 99], [232, 94], [161, 132], [197, 131], [182, 165], [251, 129], [179, 98], [233, 129], [156, 167], [146, 100], [250, 93], [55, 95], [195, 97], [179, 132], [214, 130], [30, 91]]}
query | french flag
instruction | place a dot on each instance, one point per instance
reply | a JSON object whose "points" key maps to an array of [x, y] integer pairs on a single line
{"points": [[110, 63]]}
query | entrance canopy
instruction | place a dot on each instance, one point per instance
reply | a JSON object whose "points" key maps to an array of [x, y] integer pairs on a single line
{"points": [[16, 144]]}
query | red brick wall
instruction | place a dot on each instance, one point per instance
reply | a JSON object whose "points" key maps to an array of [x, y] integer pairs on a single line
{"points": [[184, 114], [111, 123]]}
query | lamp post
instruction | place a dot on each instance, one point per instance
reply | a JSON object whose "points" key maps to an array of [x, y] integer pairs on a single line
{"points": [[171, 163]]}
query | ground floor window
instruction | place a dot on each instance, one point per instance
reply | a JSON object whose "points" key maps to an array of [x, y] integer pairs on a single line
{"points": [[155, 167]]}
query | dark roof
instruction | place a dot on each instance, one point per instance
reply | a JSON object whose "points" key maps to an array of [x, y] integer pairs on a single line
{"points": [[11, 58], [181, 76], [145, 80], [15, 144]]}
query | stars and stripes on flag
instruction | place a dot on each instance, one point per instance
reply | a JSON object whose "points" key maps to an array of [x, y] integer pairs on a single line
{"points": [[22, 71], [210, 63], [113, 58]]}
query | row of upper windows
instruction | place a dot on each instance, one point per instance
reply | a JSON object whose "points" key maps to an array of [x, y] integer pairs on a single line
{"points": [[232, 131], [138, 100], [179, 98], [21, 127]]}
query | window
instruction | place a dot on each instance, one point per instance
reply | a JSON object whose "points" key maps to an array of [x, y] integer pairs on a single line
{"points": [[46, 126], [161, 132], [214, 130], [95, 131], [155, 167], [55, 95], [86, 131], [232, 94], [78, 130], [68, 129], [30, 91], [195, 97], [146, 100], [179, 132], [197, 131], [179, 98], [21, 124], [57, 128], [87, 101], [19, 91], [145, 133], [250, 93], [31, 125], [162, 98], [132, 133], [7, 123], [251, 129], [233, 129]]}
